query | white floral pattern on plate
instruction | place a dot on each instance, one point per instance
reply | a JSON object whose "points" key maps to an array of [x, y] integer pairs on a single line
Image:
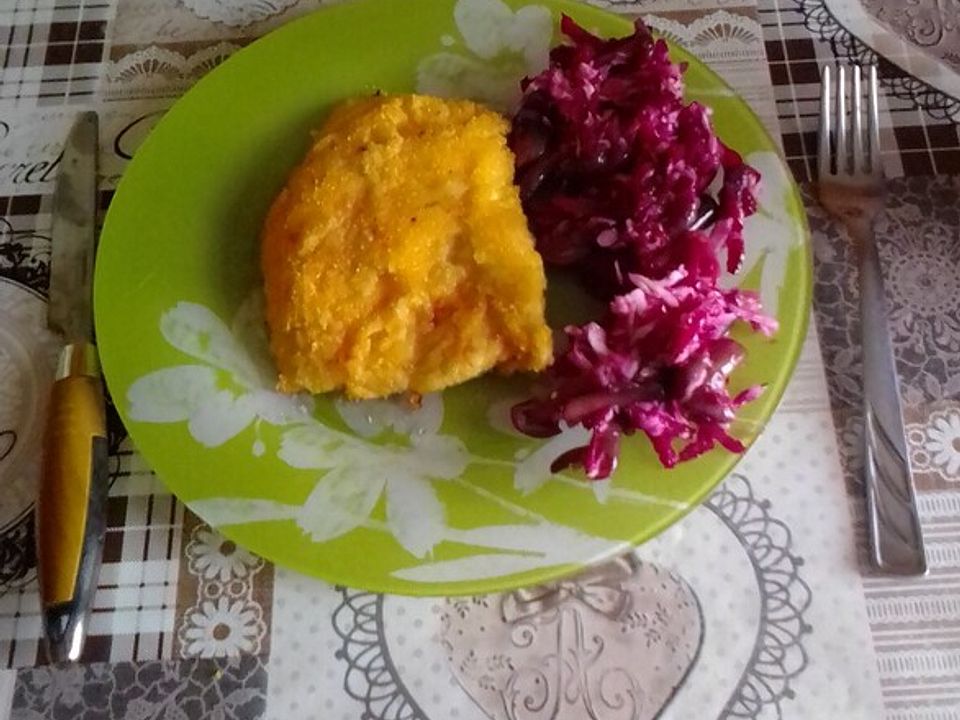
{"points": [[771, 233], [360, 472], [193, 392], [501, 45], [230, 389]]}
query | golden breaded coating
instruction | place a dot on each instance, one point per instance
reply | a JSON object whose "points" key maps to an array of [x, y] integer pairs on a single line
{"points": [[397, 258]]}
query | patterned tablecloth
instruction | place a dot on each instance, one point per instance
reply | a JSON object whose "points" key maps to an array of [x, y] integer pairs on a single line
{"points": [[758, 605]]}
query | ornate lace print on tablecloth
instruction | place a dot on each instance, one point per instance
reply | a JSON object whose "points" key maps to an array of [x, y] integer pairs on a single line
{"points": [[189, 689], [26, 358], [920, 253]]}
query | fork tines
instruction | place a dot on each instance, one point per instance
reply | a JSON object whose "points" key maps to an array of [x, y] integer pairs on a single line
{"points": [[849, 140]]}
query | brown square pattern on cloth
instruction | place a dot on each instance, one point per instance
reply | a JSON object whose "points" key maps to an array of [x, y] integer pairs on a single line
{"points": [[133, 614], [800, 36], [51, 52]]}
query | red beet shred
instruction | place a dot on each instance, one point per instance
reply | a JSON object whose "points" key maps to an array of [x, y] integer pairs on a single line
{"points": [[614, 170]]}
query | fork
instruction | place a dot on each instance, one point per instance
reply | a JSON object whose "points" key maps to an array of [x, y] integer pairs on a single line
{"points": [[851, 188]]}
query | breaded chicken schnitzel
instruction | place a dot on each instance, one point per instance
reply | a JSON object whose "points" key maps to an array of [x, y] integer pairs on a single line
{"points": [[398, 259]]}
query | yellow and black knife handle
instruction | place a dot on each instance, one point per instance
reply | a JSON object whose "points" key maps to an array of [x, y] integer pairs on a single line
{"points": [[72, 498]]}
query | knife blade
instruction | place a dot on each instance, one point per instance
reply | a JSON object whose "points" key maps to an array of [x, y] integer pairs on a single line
{"points": [[70, 510]]}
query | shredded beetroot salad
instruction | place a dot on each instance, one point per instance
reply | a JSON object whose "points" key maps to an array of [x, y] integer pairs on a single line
{"points": [[615, 172]]}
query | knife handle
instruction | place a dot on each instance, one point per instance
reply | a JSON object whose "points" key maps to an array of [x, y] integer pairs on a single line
{"points": [[70, 508]]}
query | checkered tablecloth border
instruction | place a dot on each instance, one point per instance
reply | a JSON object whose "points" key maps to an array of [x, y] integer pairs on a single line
{"points": [[51, 50], [134, 611], [916, 141], [54, 52]]}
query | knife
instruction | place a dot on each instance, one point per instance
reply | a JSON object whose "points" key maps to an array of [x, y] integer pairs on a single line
{"points": [[70, 511]]}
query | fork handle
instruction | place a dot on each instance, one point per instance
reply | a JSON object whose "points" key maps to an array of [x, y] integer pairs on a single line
{"points": [[896, 538]]}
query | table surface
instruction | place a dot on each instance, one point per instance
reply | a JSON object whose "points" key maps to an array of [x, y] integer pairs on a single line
{"points": [[760, 604]]}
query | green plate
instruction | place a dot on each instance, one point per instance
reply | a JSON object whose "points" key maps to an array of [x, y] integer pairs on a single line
{"points": [[445, 500]]}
